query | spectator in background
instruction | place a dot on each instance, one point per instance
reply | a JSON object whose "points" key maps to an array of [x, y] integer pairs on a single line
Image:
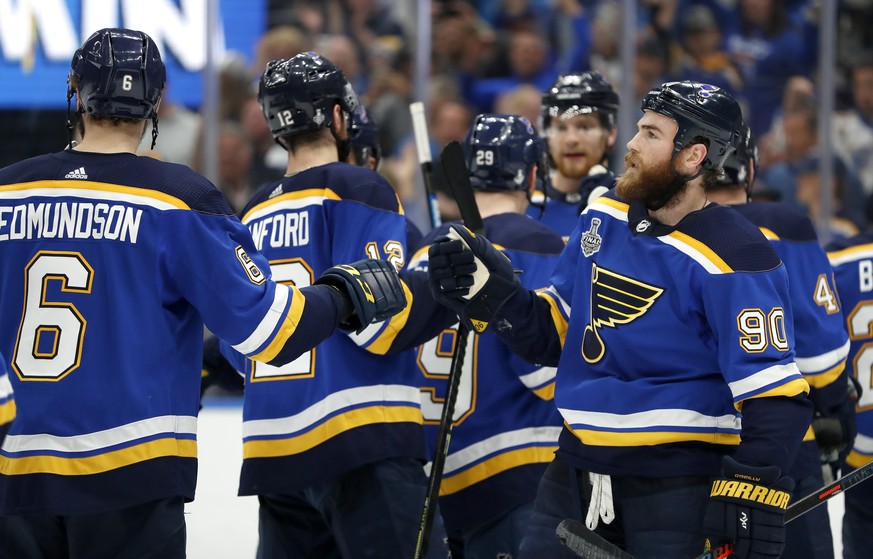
{"points": [[651, 65], [702, 58], [234, 163], [346, 54], [781, 180], [235, 84], [279, 42], [853, 128], [767, 49], [521, 100], [844, 222], [606, 41], [179, 130], [530, 61], [269, 159]]}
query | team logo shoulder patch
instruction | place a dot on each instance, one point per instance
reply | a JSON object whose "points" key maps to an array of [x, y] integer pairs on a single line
{"points": [[615, 299], [590, 239]]}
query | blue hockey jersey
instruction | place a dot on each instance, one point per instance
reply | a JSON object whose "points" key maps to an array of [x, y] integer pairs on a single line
{"points": [[506, 425], [662, 335], [822, 342], [852, 260], [112, 263], [351, 400]]}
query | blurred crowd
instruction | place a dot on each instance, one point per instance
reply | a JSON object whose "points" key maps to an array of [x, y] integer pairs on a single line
{"points": [[499, 55]]}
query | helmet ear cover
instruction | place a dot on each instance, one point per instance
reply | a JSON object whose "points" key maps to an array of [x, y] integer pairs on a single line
{"points": [[364, 137]]}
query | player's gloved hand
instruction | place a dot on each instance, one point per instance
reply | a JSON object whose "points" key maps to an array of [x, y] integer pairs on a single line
{"points": [[470, 276], [370, 291], [835, 430], [747, 507]]}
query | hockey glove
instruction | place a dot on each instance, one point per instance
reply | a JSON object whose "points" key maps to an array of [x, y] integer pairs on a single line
{"points": [[747, 508], [373, 289], [835, 430], [470, 276]]}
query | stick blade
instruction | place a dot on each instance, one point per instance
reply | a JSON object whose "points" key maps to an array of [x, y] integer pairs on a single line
{"points": [[455, 167], [585, 543]]}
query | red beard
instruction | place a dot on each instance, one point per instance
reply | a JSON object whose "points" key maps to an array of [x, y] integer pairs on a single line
{"points": [[647, 185]]}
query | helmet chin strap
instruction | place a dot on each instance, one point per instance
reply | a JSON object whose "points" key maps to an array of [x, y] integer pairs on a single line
{"points": [[678, 182], [343, 145]]}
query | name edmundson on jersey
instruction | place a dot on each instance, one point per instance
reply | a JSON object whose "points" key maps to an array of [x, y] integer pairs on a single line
{"points": [[70, 220]]}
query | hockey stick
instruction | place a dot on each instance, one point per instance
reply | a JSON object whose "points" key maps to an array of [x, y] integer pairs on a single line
{"points": [[455, 167], [586, 543], [422, 148]]}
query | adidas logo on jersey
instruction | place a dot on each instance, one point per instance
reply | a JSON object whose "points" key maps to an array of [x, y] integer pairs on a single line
{"points": [[77, 174], [276, 191]]}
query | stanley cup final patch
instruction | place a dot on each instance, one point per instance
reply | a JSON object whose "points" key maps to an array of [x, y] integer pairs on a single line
{"points": [[590, 239]]}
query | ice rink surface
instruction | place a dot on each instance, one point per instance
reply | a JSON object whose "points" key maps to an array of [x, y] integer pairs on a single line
{"points": [[222, 525]]}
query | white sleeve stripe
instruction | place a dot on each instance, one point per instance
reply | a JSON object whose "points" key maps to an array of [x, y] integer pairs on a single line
{"points": [[333, 404], [690, 251], [502, 442], [552, 292], [267, 326], [369, 334], [864, 444], [539, 377], [5, 387], [178, 424], [663, 418], [769, 376], [823, 362]]}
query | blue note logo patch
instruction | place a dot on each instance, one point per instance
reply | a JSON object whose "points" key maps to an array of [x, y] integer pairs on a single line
{"points": [[590, 239], [615, 299]]}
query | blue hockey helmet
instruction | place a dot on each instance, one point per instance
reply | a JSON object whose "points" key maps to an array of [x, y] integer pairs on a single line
{"points": [[501, 150], [298, 94], [580, 93], [118, 73], [364, 137], [701, 111]]}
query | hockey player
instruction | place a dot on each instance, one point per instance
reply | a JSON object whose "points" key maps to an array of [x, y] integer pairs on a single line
{"points": [[666, 316], [820, 335], [506, 426], [578, 122], [112, 264], [7, 402], [333, 443], [852, 260]]}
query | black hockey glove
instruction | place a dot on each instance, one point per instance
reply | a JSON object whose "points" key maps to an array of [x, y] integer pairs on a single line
{"points": [[835, 430], [371, 291], [747, 508], [470, 276]]}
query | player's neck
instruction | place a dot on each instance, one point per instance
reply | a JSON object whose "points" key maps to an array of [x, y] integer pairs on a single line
{"points": [[493, 203], [728, 196], [564, 184], [691, 199], [306, 157], [111, 139]]}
